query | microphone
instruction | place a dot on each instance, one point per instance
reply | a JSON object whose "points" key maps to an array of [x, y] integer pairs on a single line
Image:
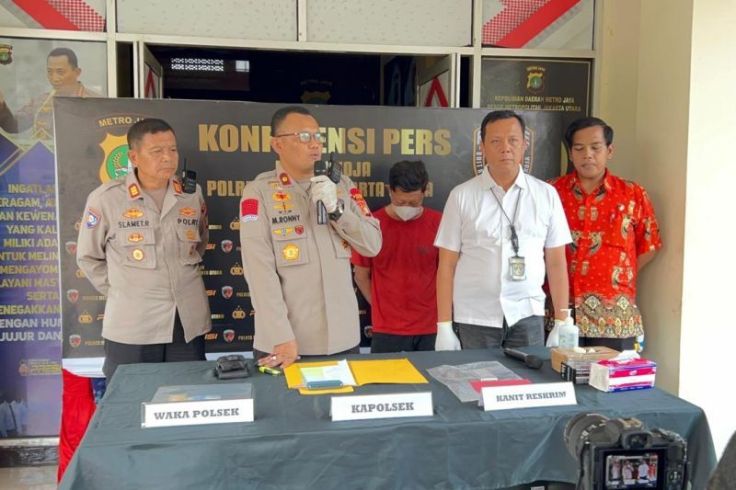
{"points": [[530, 360], [320, 168]]}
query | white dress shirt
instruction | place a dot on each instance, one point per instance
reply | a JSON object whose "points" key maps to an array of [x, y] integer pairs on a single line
{"points": [[474, 226]]}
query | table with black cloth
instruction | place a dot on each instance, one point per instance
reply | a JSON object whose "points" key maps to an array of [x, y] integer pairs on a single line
{"points": [[293, 444]]}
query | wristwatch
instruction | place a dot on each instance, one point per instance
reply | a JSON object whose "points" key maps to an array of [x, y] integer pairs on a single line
{"points": [[337, 213]]}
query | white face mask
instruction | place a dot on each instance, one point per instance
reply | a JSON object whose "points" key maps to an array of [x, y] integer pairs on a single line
{"points": [[407, 213]]}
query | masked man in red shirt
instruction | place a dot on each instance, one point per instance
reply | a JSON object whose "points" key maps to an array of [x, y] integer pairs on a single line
{"points": [[400, 282]]}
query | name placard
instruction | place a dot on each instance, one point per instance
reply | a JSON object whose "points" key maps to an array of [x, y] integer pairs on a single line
{"points": [[174, 414], [528, 396], [363, 407]]}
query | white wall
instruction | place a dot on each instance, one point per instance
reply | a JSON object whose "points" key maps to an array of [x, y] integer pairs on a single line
{"points": [[666, 77], [708, 320]]}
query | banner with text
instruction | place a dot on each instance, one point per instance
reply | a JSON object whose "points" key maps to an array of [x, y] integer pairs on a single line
{"points": [[227, 144]]}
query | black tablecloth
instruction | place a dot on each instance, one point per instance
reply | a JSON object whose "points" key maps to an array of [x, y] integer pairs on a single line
{"points": [[294, 445]]}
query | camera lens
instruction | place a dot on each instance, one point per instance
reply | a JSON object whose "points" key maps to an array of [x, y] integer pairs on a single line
{"points": [[577, 430]]}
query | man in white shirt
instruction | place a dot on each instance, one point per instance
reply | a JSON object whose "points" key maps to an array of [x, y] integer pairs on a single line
{"points": [[500, 232]]}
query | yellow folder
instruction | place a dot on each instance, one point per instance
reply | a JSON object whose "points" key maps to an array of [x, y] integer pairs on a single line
{"points": [[378, 371], [386, 371]]}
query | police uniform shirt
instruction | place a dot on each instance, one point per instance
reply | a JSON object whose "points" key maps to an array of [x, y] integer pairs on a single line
{"points": [[146, 261], [298, 271], [474, 226]]}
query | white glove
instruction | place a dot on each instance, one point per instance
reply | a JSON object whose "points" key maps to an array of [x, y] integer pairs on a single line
{"points": [[323, 189], [446, 338], [553, 340]]}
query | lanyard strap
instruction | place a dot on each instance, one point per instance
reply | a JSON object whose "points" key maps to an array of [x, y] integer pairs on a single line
{"points": [[514, 236]]}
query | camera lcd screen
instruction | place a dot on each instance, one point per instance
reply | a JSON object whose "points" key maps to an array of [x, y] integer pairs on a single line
{"points": [[633, 469]]}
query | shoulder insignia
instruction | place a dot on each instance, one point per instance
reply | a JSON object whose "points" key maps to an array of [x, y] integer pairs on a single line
{"points": [[133, 191]]}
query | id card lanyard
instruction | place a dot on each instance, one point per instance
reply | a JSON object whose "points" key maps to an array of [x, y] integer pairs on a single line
{"points": [[517, 266]]}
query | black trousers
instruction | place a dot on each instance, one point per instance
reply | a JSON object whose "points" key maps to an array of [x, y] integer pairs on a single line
{"points": [[386, 342], [179, 350]]}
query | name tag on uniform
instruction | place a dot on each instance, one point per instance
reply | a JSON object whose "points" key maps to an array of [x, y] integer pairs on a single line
{"points": [[517, 268]]}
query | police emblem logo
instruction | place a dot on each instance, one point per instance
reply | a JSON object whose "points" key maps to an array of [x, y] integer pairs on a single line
{"points": [[72, 295], [187, 212], [115, 160], [227, 292], [191, 234], [93, 218], [236, 270], [535, 79], [71, 248], [135, 237], [77, 225], [280, 197], [238, 313], [133, 191], [290, 252], [282, 231], [79, 273], [132, 213], [6, 54], [85, 318], [228, 335], [75, 340], [226, 246], [177, 187], [235, 224], [138, 254]]}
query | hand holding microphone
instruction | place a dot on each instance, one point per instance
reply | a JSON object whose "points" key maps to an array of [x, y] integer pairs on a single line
{"points": [[324, 191], [446, 338]]}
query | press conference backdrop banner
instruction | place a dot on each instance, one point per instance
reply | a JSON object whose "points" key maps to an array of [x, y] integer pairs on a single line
{"points": [[227, 144]]}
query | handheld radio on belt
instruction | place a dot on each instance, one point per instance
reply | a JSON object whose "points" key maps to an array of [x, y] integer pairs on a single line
{"points": [[188, 179]]}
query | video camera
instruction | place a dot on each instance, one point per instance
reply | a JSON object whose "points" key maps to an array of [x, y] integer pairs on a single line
{"points": [[618, 454]]}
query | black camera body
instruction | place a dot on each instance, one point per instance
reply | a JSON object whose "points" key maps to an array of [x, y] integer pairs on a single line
{"points": [[621, 454]]}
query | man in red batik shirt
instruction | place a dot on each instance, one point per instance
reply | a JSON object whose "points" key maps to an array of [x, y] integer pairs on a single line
{"points": [[400, 282], [614, 234]]}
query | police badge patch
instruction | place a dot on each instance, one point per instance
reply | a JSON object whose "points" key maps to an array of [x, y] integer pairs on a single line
{"points": [[249, 210], [93, 218]]}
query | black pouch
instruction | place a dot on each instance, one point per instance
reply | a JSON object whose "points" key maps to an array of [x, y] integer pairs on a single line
{"points": [[231, 367]]}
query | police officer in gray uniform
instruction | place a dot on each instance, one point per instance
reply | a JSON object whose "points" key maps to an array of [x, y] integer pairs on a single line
{"points": [[298, 270], [140, 243]]}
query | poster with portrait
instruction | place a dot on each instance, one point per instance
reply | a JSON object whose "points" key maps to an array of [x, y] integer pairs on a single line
{"points": [[32, 74]]}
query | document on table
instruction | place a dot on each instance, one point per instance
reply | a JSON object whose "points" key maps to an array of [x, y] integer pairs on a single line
{"points": [[338, 372]]}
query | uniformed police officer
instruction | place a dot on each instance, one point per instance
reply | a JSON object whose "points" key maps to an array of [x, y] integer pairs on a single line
{"points": [[298, 271], [140, 243]]}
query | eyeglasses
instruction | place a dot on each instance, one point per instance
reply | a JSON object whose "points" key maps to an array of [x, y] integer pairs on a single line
{"points": [[304, 136]]}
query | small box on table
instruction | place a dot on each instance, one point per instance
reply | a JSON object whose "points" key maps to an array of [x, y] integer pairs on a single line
{"points": [[624, 375], [591, 354]]}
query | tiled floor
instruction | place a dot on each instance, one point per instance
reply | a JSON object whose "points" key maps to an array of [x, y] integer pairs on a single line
{"points": [[28, 478]]}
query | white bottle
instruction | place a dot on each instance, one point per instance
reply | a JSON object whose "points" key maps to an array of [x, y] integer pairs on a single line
{"points": [[569, 333]]}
